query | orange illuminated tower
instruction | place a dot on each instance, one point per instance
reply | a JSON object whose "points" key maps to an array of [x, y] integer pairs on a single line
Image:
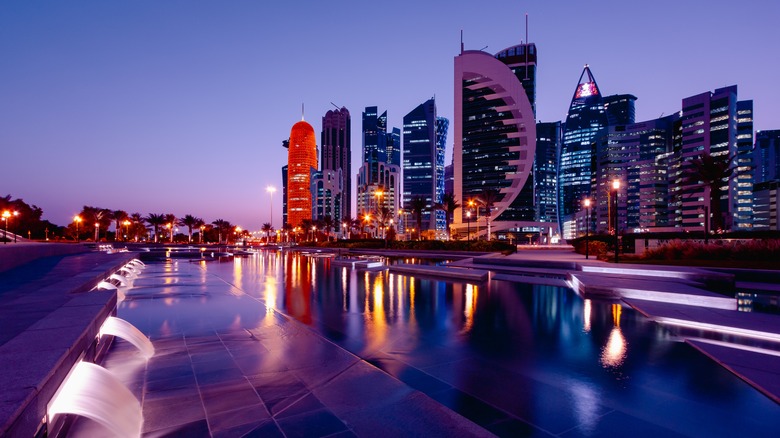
{"points": [[301, 162]]}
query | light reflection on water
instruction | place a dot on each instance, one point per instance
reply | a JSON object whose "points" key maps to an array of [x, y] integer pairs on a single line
{"points": [[530, 350]]}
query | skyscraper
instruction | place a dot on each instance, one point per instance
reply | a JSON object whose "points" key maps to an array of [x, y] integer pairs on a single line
{"points": [[548, 142], [378, 180], [620, 109], [301, 163], [332, 189], [742, 184], [766, 180], [495, 140], [374, 140], [586, 123], [709, 126], [521, 59], [423, 161]]}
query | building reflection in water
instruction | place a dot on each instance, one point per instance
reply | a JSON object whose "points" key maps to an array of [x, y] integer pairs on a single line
{"points": [[298, 287]]}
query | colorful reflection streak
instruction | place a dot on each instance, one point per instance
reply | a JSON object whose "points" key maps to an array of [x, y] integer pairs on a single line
{"points": [[538, 353]]}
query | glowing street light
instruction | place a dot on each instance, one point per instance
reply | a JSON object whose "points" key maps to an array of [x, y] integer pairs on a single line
{"points": [[202, 229], [126, 223], [271, 190], [616, 188], [6, 217], [97, 231], [586, 203], [77, 220], [468, 227]]}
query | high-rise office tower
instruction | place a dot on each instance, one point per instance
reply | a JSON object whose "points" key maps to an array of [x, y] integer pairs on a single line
{"points": [[710, 126], [301, 164], [766, 180], [620, 109], [742, 184], [423, 161], [374, 140], [548, 143], [494, 140], [521, 59], [378, 179], [586, 124], [332, 189], [394, 147], [636, 154]]}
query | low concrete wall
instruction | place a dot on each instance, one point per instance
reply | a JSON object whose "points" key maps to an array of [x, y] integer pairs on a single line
{"points": [[17, 254]]}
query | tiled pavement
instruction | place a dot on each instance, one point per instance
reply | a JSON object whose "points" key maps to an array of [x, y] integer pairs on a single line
{"points": [[210, 377]]}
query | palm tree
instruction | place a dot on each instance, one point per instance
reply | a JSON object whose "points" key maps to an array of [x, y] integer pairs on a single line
{"points": [[488, 199], [306, 225], [417, 206], [190, 221], [712, 172], [449, 205], [267, 228], [155, 220], [353, 223], [221, 225], [170, 220], [287, 229], [119, 217], [138, 223], [327, 224], [383, 217]]}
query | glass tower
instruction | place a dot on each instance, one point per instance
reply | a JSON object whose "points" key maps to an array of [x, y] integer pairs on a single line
{"points": [[423, 168], [586, 124]]}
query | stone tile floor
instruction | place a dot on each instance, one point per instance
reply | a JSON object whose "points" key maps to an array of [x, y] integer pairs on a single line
{"points": [[211, 378]]}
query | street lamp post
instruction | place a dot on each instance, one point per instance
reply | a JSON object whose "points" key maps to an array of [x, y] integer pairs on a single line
{"points": [[468, 227], [616, 188], [271, 190], [77, 219], [586, 202], [126, 223], [6, 216], [202, 229], [97, 232]]}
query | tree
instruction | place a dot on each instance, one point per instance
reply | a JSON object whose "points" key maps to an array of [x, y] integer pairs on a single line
{"points": [[306, 226], [449, 205], [712, 172], [119, 217], [170, 222], [488, 200], [100, 218], [287, 229], [222, 226], [138, 227], [190, 221], [327, 225], [155, 220], [267, 229], [383, 217], [417, 205]]}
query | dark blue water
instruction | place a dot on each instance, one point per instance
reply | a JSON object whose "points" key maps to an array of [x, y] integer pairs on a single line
{"points": [[518, 359]]}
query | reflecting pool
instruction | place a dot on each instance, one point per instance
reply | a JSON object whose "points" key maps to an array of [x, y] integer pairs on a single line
{"points": [[517, 359]]}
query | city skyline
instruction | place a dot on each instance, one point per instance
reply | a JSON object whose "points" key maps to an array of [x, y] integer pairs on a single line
{"points": [[170, 108]]}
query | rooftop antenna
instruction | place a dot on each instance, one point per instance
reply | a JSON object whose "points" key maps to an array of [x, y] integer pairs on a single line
{"points": [[483, 48], [301, 111], [527, 46], [337, 107], [461, 41]]}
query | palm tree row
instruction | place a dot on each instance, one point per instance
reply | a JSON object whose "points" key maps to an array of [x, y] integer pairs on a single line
{"points": [[135, 225]]}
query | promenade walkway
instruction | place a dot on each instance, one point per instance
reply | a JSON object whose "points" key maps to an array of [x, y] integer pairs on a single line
{"points": [[47, 320]]}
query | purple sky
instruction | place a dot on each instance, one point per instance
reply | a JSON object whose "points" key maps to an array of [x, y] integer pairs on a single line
{"points": [[181, 106]]}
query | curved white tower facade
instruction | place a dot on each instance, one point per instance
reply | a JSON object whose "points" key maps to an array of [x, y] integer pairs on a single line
{"points": [[495, 141]]}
